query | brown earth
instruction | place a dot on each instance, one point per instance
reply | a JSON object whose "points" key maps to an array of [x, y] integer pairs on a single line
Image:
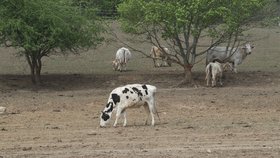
{"points": [[61, 118]]}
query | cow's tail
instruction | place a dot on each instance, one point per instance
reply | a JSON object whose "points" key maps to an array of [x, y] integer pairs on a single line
{"points": [[156, 112], [208, 71], [124, 57]]}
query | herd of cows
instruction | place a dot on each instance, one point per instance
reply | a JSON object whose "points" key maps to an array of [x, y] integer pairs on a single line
{"points": [[218, 59]]}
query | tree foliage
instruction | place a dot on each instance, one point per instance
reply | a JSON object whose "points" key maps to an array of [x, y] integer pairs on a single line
{"points": [[39, 28], [181, 24]]}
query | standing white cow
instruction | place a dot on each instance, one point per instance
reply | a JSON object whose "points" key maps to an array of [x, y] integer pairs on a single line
{"points": [[158, 54], [236, 56], [129, 96], [123, 55], [214, 70]]}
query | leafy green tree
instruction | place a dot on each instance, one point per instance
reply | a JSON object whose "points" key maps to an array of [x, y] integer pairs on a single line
{"points": [[40, 28], [182, 24]]}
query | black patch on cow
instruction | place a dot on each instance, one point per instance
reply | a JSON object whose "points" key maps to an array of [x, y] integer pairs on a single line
{"points": [[131, 92], [134, 99], [137, 91], [125, 90], [105, 116], [127, 97], [110, 104], [146, 89], [116, 98]]}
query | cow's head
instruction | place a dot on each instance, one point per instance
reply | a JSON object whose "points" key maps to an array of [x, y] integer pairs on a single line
{"points": [[248, 48], [106, 114]]}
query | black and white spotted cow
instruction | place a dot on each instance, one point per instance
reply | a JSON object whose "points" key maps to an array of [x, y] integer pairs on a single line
{"points": [[129, 96]]}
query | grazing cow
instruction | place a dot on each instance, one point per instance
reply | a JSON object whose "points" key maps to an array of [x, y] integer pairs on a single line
{"points": [[214, 70], [236, 56], [129, 96], [123, 55], [157, 54]]}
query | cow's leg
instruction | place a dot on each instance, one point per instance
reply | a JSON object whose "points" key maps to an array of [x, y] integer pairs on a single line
{"points": [[121, 67], [220, 77], [151, 106], [208, 77], [164, 63], [208, 80], [118, 114], [155, 64], [124, 117], [213, 80], [164, 59], [146, 107]]}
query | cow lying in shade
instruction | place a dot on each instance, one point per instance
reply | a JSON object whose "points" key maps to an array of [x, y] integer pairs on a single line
{"points": [[129, 96], [235, 56], [123, 55], [160, 55], [214, 70], [2, 109]]}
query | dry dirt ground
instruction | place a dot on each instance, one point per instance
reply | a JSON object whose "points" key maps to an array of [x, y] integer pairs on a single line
{"points": [[61, 119]]}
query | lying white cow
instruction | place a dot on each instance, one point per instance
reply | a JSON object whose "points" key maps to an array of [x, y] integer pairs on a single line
{"points": [[214, 70], [123, 55], [157, 54], [2, 109], [129, 96], [236, 56]]}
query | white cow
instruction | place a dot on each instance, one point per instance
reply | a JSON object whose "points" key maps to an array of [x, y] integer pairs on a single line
{"points": [[236, 56], [2, 109], [214, 70], [157, 54], [123, 55], [129, 96]]}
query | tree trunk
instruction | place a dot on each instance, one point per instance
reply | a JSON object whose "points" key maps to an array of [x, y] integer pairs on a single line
{"points": [[188, 74], [35, 65], [188, 79]]}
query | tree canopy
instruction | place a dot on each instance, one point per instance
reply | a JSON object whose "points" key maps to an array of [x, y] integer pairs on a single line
{"points": [[39, 28], [181, 24]]}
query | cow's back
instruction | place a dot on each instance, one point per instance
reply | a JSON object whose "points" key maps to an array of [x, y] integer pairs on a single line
{"points": [[138, 93], [220, 54], [123, 55]]}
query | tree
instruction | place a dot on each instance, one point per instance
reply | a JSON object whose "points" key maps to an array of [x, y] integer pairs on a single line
{"points": [[182, 25], [42, 28]]}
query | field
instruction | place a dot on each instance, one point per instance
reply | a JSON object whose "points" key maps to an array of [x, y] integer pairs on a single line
{"points": [[61, 118]]}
